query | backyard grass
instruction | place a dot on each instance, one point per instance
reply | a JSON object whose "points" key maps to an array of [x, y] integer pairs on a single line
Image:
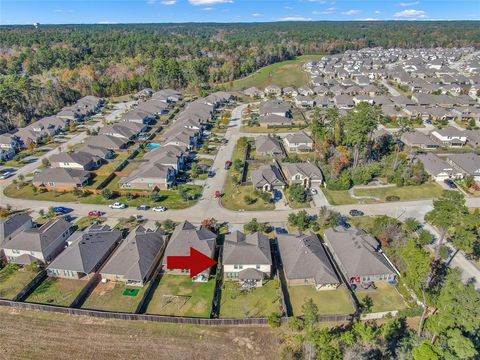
{"points": [[168, 198], [259, 302], [88, 221], [110, 297], [285, 73], [61, 292], [178, 295], [97, 180], [384, 298], [13, 278], [338, 197], [329, 302], [405, 193]]}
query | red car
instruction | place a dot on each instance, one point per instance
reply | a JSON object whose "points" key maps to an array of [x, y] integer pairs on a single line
{"points": [[218, 194], [95, 213]]}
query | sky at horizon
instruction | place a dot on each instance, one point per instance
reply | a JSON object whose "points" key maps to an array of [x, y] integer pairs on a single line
{"points": [[23, 12]]}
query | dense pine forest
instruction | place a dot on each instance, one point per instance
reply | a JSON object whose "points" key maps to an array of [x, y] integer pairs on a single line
{"points": [[44, 68]]}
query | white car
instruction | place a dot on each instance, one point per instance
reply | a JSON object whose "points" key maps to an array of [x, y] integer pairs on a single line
{"points": [[160, 208], [6, 175], [117, 205], [313, 191]]}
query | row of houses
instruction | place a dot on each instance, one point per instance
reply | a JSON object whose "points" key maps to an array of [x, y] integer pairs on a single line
{"points": [[452, 166], [38, 131], [247, 258], [438, 138]]}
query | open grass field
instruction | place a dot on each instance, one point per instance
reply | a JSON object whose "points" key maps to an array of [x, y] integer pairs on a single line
{"points": [[338, 197], [425, 191], [259, 302], [384, 298], [329, 302], [109, 297], [14, 278], [177, 295], [91, 338], [285, 73], [54, 291]]}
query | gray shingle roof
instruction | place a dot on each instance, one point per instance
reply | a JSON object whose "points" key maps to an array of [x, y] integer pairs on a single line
{"points": [[62, 175], [306, 169], [270, 145], [267, 175], [10, 225], [303, 257], [241, 249]]}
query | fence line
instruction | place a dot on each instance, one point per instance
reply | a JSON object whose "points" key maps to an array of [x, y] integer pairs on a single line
{"points": [[155, 318]]}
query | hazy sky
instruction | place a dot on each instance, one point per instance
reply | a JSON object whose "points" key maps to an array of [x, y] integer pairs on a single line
{"points": [[151, 11]]}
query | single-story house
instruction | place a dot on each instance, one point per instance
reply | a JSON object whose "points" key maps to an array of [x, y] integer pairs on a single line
{"points": [[305, 262], [267, 178], [12, 225], [437, 168], [108, 142], [273, 120], [275, 107], [450, 136], [247, 258], [75, 160], [136, 258], [61, 179], [468, 164], [40, 244], [266, 145], [99, 151], [417, 139], [254, 92]]}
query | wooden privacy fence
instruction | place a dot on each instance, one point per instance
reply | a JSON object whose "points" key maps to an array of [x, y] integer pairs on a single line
{"points": [[155, 318]]}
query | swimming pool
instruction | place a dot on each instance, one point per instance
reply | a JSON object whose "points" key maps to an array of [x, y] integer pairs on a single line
{"points": [[153, 146]]}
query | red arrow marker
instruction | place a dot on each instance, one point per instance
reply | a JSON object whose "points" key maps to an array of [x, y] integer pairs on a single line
{"points": [[196, 262]]}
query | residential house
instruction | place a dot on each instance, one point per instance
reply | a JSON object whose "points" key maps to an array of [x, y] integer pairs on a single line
{"points": [[437, 168], [305, 262], [417, 139], [135, 260], [267, 178], [275, 107], [247, 258], [290, 91], [450, 136], [254, 92], [273, 120], [467, 164], [9, 145], [266, 145], [107, 141], [298, 142], [61, 179], [359, 256], [343, 101], [184, 237], [144, 114], [170, 155], [304, 101], [124, 130], [12, 225], [305, 174], [40, 244], [85, 253], [75, 160], [473, 137], [149, 176], [273, 90], [98, 151]]}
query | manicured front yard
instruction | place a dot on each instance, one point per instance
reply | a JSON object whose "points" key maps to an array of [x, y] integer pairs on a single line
{"points": [[110, 297], [234, 198], [54, 291], [13, 278], [259, 302], [296, 204], [425, 191], [384, 298], [177, 295], [329, 302]]}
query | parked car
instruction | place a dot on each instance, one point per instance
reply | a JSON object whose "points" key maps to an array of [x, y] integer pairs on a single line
{"points": [[95, 213], [160, 208], [211, 173], [228, 164], [280, 230], [343, 222], [60, 210], [117, 205], [355, 212], [224, 141], [450, 183], [6, 175], [313, 191], [277, 195], [143, 207]]}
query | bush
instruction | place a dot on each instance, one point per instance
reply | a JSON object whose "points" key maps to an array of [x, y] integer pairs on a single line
{"points": [[343, 182], [392, 198], [274, 320], [425, 237], [298, 193], [107, 194], [444, 252], [265, 196]]}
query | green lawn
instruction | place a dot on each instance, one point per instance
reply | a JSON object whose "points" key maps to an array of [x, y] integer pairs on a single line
{"points": [[295, 204], [329, 302], [88, 221], [97, 180], [234, 198], [110, 297], [54, 291], [338, 197], [13, 278], [169, 198], [285, 73], [259, 302], [405, 193], [384, 298], [177, 295]]}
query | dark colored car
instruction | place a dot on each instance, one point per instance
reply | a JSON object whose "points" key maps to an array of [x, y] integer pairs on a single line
{"points": [[343, 222], [228, 164], [355, 212], [143, 207], [62, 210], [450, 183], [280, 230], [211, 174]]}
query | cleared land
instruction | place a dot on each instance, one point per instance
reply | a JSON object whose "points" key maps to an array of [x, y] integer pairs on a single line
{"points": [[424, 191], [384, 298], [285, 73], [338, 197], [90, 338], [177, 295], [54, 291], [329, 302], [259, 302], [14, 278], [110, 297]]}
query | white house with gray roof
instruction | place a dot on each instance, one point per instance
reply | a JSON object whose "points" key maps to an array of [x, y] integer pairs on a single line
{"points": [[358, 256], [85, 253], [437, 168], [450, 136], [135, 260], [305, 262], [247, 258], [298, 142]]}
